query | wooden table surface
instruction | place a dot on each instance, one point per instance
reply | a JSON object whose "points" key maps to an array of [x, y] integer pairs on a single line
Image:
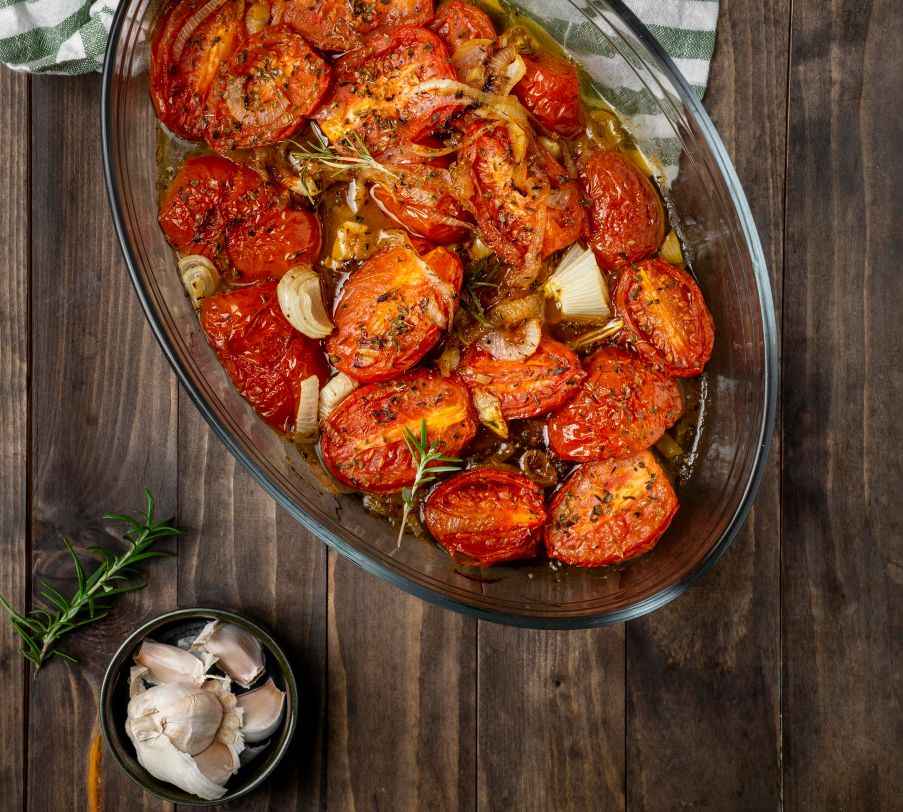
{"points": [[775, 681]]}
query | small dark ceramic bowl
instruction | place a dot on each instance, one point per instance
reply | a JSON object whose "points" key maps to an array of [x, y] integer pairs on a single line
{"points": [[114, 698]]}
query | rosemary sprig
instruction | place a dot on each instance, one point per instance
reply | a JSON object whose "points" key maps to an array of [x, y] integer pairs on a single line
{"points": [[40, 629], [423, 453], [327, 155], [480, 276]]}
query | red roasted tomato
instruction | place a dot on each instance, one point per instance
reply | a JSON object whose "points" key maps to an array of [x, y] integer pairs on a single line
{"points": [[627, 221], [266, 245], [393, 310], [424, 212], [459, 23], [666, 317], [340, 25], [206, 196], [265, 91], [363, 442], [624, 406], [264, 355], [368, 95], [485, 516], [190, 42], [550, 90], [526, 388], [609, 511]]}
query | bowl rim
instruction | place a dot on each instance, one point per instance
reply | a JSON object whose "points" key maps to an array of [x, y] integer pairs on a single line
{"points": [[118, 661], [371, 565]]}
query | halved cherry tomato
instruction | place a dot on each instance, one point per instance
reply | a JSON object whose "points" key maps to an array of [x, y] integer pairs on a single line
{"points": [[459, 23], [610, 511], [266, 245], [265, 91], [207, 195], [190, 42], [666, 317], [624, 406], [484, 516], [363, 443], [550, 90], [526, 388], [266, 358], [627, 221], [340, 25], [368, 95], [393, 310], [523, 212], [423, 212]]}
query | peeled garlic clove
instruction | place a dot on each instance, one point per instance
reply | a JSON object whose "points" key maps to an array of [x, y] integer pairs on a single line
{"points": [[218, 763], [189, 717], [353, 240], [199, 276], [578, 288], [671, 250], [263, 709], [301, 301], [489, 409], [513, 343], [306, 427], [336, 390], [238, 651], [169, 664]]}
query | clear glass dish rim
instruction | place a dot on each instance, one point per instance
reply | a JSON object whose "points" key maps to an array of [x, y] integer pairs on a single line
{"points": [[371, 565]]}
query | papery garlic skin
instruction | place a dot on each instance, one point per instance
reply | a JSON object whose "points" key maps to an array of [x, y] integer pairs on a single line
{"points": [[218, 763], [170, 664], [263, 711], [238, 652], [189, 717]]}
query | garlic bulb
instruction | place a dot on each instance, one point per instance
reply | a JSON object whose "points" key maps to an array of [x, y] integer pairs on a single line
{"points": [[308, 401], [513, 343], [169, 664], [263, 709], [578, 287], [489, 410], [188, 716], [239, 652], [301, 301], [200, 278], [336, 390]]}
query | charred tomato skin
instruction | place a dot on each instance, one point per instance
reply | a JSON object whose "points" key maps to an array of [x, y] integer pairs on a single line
{"points": [[550, 90], [362, 441], [529, 387], [485, 516], [624, 406], [666, 318], [609, 511], [626, 218], [267, 244]]}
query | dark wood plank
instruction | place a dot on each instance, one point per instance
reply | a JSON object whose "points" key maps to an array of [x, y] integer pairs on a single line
{"points": [[703, 674], [401, 698], [551, 719], [249, 556], [842, 530], [14, 108], [103, 426]]}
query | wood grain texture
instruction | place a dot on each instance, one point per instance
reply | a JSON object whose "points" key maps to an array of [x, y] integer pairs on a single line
{"points": [[248, 555], [551, 719], [103, 426], [401, 699], [842, 573], [14, 254], [703, 701]]}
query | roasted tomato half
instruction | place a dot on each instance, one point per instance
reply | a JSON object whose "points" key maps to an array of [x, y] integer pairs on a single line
{"points": [[363, 442], [393, 311], [190, 42], [550, 90], [371, 96], [340, 25], [267, 244], [207, 195], [666, 317], [610, 511], [624, 406], [526, 388], [264, 355], [484, 516], [627, 221], [524, 204], [424, 212], [459, 23], [265, 91]]}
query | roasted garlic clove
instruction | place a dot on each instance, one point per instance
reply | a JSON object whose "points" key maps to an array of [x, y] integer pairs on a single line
{"points": [[301, 301], [578, 288], [263, 710], [513, 343], [238, 652], [200, 278], [306, 420], [489, 410], [169, 664], [336, 390]]}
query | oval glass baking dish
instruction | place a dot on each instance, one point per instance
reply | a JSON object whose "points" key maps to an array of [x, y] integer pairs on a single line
{"points": [[739, 384]]}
